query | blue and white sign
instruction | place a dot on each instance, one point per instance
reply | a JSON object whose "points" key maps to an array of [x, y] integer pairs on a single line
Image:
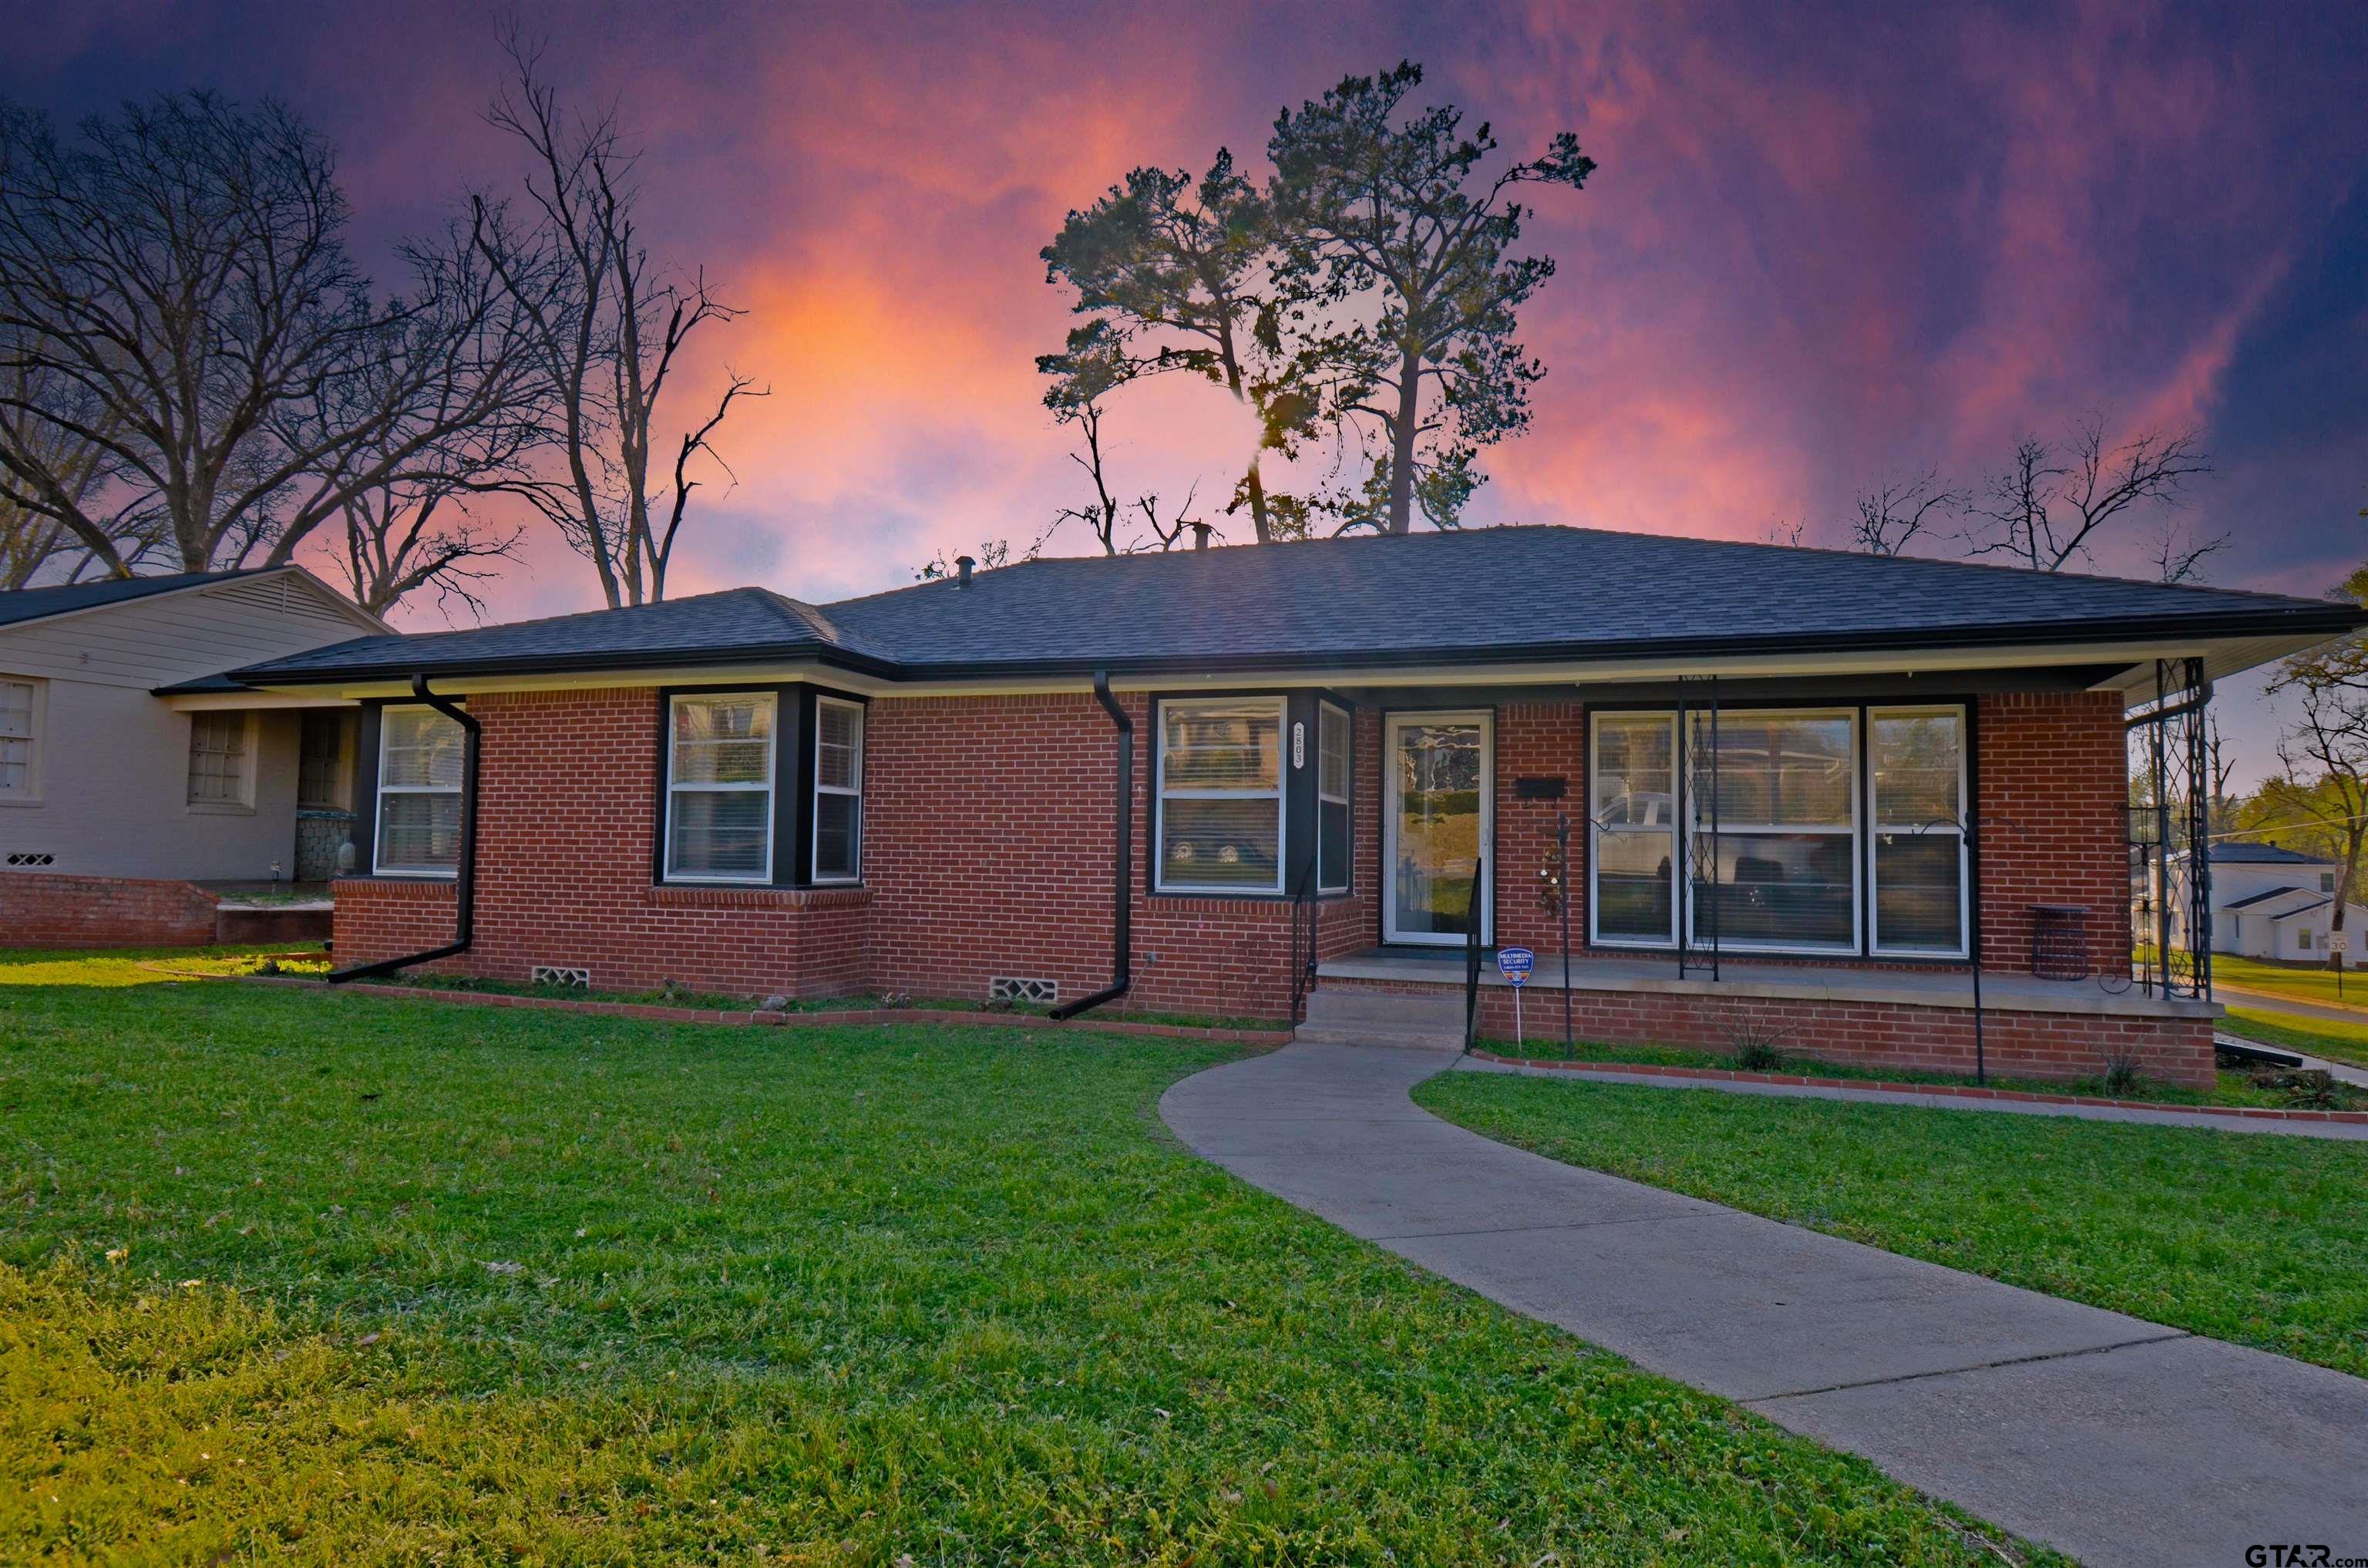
{"points": [[1515, 963]]}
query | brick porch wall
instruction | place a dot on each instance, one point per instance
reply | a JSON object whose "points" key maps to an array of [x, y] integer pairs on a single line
{"points": [[1865, 1034], [50, 909]]}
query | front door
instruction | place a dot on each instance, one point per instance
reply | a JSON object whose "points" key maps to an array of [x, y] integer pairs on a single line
{"points": [[1440, 815]]}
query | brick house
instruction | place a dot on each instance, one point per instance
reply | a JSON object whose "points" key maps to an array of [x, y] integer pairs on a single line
{"points": [[1836, 779]]}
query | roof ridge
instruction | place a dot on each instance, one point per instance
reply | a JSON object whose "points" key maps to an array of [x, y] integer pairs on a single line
{"points": [[1436, 535]]}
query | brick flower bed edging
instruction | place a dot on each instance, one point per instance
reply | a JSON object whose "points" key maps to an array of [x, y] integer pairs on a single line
{"points": [[1885, 1086], [650, 1012]]}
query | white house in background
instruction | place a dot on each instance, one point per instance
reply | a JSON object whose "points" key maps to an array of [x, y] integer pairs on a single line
{"points": [[122, 756], [2271, 902]]}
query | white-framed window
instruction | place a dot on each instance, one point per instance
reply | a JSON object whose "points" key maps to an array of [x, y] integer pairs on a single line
{"points": [[1916, 849], [2326, 882], [838, 790], [23, 705], [1220, 795], [222, 759], [719, 787], [1786, 845], [420, 754], [2302, 940], [1633, 806], [1335, 750], [1803, 862]]}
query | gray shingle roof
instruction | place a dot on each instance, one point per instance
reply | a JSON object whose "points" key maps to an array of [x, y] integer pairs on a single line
{"points": [[1489, 594], [35, 604], [2234, 853], [2250, 900]]}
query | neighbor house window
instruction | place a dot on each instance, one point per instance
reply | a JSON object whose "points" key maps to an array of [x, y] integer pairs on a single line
{"points": [[220, 760], [1220, 795], [20, 740], [1635, 810], [839, 790], [1333, 771], [419, 774], [720, 788], [2326, 882], [1916, 766], [2302, 940]]}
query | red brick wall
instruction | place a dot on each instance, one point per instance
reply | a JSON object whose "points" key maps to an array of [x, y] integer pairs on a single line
{"points": [[566, 826], [987, 852], [48, 909], [987, 846], [2053, 788], [1539, 740]]}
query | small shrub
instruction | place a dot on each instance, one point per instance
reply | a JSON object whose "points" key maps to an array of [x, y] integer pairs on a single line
{"points": [[2125, 1073], [1755, 1045]]}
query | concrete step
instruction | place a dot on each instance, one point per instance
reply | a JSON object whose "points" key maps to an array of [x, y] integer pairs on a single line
{"points": [[1344, 1015]]}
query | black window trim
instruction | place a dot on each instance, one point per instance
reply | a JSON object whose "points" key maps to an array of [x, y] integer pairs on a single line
{"points": [[794, 740], [1299, 802]]}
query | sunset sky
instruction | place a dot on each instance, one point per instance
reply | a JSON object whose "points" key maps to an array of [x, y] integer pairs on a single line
{"points": [[1814, 251]]}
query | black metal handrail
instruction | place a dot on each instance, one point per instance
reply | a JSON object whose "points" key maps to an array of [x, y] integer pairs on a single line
{"points": [[1303, 951], [1471, 955]]}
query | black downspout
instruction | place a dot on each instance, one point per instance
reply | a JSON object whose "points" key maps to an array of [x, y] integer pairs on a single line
{"points": [[465, 882], [1122, 937]]}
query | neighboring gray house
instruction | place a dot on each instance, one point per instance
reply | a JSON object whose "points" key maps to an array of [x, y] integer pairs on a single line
{"points": [[121, 757], [2273, 903]]}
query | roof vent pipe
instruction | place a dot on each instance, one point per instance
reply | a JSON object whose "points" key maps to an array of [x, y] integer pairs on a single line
{"points": [[962, 563], [1201, 532]]}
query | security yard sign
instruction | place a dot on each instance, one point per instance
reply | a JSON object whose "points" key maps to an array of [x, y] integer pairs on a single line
{"points": [[1514, 964]]}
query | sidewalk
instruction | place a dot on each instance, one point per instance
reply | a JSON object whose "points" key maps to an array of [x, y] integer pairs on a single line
{"points": [[2116, 1440]]}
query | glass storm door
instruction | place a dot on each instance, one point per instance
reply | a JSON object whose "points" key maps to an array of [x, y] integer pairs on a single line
{"points": [[1441, 817]]}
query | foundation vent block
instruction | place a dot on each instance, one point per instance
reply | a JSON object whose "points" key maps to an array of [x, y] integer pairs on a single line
{"points": [[569, 975], [1012, 988]]}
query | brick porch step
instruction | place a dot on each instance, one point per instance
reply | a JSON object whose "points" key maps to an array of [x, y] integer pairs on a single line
{"points": [[1347, 1015]]}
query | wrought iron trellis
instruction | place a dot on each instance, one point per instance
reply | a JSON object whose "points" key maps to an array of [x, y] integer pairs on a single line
{"points": [[1697, 806], [2170, 831]]}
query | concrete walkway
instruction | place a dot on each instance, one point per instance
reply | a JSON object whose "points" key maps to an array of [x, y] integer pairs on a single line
{"points": [[2340, 1132], [2117, 1440]]}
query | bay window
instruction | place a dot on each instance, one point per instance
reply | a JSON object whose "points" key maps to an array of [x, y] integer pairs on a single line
{"points": [[1832, 830], [839, 790], [1333, 772], [720, 788], [419, 767], [1220, 795]]}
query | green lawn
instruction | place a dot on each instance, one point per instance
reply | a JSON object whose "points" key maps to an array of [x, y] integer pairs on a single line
{"points": [[295, 1276], [2336, 1040], [2305, 983], [2250, 1237]]}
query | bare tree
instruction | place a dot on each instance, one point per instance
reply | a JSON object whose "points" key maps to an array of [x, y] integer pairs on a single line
{"points": [[610, 326], [2047, 508], [2330, 740], [1892, 514], [34, 542], [190, 364], [2180, 554]]}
